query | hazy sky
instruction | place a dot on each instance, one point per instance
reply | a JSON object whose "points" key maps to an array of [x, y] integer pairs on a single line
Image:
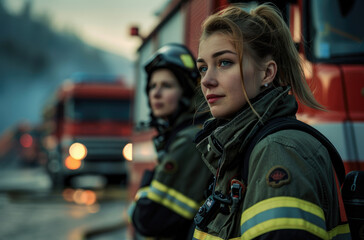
{"points": [[102, 23]]}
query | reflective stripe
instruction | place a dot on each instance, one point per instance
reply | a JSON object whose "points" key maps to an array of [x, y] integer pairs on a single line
{"points": [[341, 232], [142, 192], [199, 235], [173, 199], [169, 198], [284, 223], [283, 213]]}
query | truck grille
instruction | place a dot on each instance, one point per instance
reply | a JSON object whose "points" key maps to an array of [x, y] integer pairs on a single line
{"points": [[103, 149]]}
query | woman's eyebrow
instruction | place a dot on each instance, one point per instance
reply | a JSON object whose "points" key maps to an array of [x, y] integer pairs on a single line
{"points": [[217, 54], [200, 60]]}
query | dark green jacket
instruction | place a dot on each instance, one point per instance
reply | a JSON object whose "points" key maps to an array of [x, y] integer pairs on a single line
{"points": [[291, 190], [166, 203]]}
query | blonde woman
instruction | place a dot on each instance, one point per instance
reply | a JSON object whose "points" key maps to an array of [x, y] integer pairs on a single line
{"points": [[251, 73]]}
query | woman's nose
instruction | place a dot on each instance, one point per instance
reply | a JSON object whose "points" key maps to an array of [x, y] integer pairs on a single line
{"points": [[209, 79], [156, 92]]}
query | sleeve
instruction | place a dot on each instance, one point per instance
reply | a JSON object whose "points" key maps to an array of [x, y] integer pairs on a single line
{"points": [[287, 185], [168, 204]]}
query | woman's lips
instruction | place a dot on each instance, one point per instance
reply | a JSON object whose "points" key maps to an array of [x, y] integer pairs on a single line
{"points": [[158, 105], [212, 98]]}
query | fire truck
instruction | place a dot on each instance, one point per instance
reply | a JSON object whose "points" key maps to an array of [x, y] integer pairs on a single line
{"points": [[331, 42], [88, 124]]}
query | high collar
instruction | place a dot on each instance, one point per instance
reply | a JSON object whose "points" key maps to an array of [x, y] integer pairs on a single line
{"points": [[224, 140], [166, 133]]}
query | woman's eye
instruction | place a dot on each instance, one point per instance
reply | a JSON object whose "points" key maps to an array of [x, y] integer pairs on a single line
{"points": [[224, 63], [151, 86], [166, 85], [202, 69]]}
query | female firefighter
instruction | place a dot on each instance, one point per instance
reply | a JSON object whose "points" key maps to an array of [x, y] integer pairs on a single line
{"points": [[251, 73], [170, 195]]}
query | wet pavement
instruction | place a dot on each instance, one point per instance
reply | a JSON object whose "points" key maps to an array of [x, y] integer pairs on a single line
{"points": [[29, 209]]}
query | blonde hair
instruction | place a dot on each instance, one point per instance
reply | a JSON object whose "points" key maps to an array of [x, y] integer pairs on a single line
{"points": [[260, 33]]}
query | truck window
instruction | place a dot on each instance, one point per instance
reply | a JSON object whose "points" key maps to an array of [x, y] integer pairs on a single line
{"points": [[80, 109], [336, 30]]}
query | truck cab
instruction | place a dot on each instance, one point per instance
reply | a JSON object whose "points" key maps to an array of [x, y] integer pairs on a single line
{"points": [[89, 124], [331, 42]]}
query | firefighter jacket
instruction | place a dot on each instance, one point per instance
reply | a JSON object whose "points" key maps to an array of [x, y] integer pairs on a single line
{"points": [[171, 195], [291, 191]]}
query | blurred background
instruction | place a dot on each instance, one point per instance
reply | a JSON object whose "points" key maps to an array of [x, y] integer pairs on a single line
{"points": [[45, 42], [43, 46], [74, 134]]}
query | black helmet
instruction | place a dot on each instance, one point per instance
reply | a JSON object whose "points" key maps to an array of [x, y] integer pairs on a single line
{"points": [[180, 61]]}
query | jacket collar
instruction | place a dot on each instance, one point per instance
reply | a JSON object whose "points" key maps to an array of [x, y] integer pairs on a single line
{"points": [[224, 140]]}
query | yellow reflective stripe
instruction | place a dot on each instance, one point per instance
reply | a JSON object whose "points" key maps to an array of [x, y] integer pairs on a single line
{"points": [[171, 205], [199, 235], [283, 213], [284, 223], [340, 231], [172, 192], [142, 192], [173, 199], [282, 202]]}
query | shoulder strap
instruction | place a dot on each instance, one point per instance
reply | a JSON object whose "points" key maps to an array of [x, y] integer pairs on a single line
{"points": [[284, 123]]}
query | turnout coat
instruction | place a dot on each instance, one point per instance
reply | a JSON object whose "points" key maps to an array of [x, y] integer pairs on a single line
{"points": [[291, 192]]}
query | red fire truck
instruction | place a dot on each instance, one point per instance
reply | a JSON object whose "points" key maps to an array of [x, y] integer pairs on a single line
{"points": [[331, 42], [88, 124]]}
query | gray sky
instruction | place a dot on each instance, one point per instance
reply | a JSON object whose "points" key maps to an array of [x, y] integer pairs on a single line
{"points": [[101, 23]]}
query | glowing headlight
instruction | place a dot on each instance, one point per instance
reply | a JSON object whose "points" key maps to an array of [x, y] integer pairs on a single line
{"points": [[78, 151], [72, 163], [128, 152]]}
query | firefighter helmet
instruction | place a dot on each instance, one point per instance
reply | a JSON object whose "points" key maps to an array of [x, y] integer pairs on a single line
{"points": [[180, 61]]}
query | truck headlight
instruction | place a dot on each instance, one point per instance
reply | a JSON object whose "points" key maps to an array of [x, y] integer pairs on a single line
{"points": [[72, 163], [78, 151], [128, 152]]}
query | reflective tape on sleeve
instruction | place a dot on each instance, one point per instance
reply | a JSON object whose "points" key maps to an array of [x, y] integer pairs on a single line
{"points": [[283, 213], [173, 199]]}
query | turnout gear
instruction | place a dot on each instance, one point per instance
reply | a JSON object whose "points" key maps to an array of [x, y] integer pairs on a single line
{"points": [[291, 188], [170, 196]]}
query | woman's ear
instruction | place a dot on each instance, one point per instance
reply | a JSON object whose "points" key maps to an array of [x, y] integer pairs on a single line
{"points": [[270, 72]]}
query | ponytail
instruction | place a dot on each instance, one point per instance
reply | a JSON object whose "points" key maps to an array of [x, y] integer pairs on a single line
{"points": [[290, 71]]}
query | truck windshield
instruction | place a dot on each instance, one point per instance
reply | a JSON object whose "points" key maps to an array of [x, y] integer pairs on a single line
{"points": [[98, 109], [336, 29]]}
